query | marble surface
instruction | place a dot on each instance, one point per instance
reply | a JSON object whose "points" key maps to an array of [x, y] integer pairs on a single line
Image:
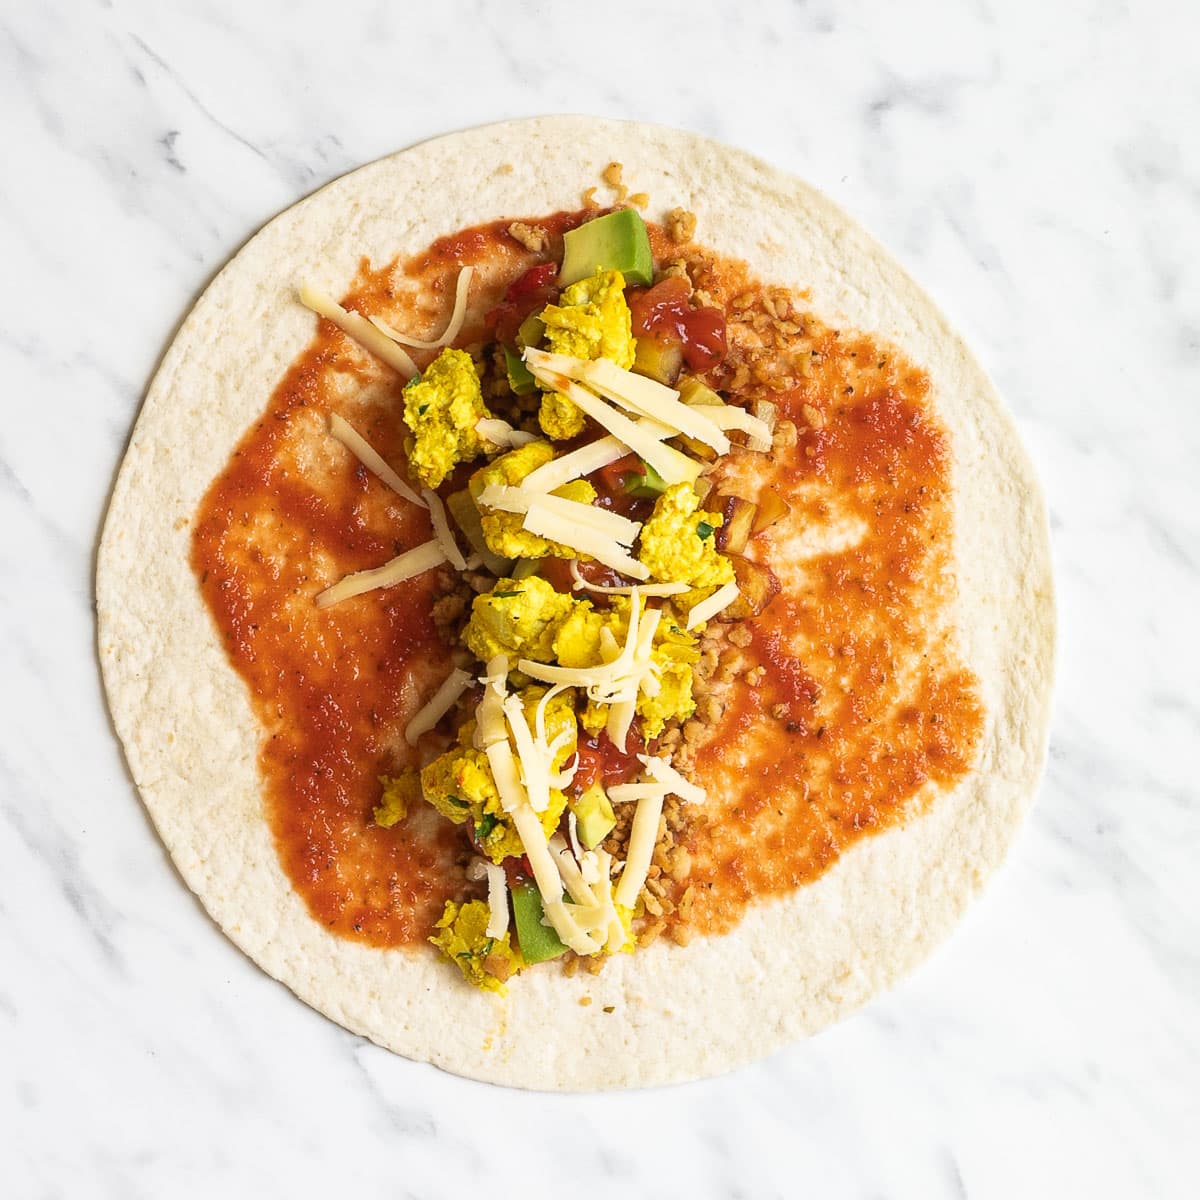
{"points": [[1037, 167]]}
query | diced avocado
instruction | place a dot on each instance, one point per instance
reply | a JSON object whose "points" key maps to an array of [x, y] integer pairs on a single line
{"points": [[519, 377], [693, 391], [538, 942], [522, 568], [657, 359], [467, 518], [618, 241], [594, 815], [646, 483], [531, 331]]}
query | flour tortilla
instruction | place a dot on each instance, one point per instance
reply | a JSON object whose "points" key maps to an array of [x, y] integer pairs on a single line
{"points": [[191, 740]]}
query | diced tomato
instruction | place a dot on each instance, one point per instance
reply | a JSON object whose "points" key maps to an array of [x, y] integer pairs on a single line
{"points": [[517, 870], [591, 763], [664, 312], [536, 278], [613, 477], [601, 761], [557, 573], [527, 294]]}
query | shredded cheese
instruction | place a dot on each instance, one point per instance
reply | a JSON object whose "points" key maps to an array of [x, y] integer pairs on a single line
{"points": [[643, 834], [358, 328], [441, 530], [641, 437], [497, 925], [531, 759], [646, 589], [501, 433], [729, 416], [572, 876], [517, 500], [552, 475], [648, 398], [767, 411], [367, 455], [404, 566], [662, 772], [437, 706], [708, 608], [616, 934], [556, 527], [629, 670], [662, 780], [490, 718], [641, 677], [453, 326], [481, 868], [573, 833]]}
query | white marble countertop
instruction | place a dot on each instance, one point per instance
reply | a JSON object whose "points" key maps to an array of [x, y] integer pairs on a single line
{"points": [[1037, 167]]}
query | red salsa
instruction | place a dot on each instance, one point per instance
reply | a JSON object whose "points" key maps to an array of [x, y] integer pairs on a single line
{"points": [[831, 739]]}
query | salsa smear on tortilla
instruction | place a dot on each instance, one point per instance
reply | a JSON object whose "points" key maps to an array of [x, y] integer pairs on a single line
{"points": [[615, 597]]}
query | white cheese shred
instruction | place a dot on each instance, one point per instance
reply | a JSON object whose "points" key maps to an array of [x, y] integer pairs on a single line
{"points": [[642, 835], [501, 433], [369, 457], [708, 608], [662, 772], [558, 528], [729, 416], [359, 329], [611, 681], [516, 500], [437, 706], [648, 398], [646, 589], [497, 925], [549, 477], [404, 566], [453, 326], [572, 876], [497, 899], [490, 716], [641, 437], [441, 530]]}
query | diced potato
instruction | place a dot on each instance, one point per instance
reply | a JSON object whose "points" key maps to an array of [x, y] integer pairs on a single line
{"points": [[703, 487], [693, 391], [739, 520], [772, 507], [758, 586], [659, 360], [466, 516], [698, 449]]}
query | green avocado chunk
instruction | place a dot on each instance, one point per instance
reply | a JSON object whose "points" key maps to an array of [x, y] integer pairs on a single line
{"points": [[519, 377], [595, 816], [617, 241], [646, 483], [538, 942]]}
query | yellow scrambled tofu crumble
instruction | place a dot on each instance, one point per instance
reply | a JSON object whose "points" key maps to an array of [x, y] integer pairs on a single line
{"points": [[592, 320], [442, 406], [461, 935]]}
